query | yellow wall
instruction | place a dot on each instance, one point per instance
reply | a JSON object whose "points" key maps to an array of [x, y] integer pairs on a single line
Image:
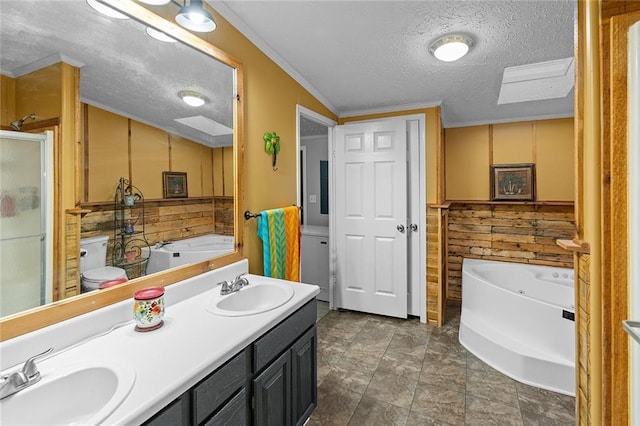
{"points": [[120, 147], [39, 92], [271, 96], [7, 100], [469, 152]]}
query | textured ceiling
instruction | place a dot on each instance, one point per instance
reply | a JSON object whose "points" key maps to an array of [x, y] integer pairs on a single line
{"points": [[363, 56], [122, 69]]}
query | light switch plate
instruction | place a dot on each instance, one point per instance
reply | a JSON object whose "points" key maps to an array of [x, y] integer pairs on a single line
{"points": [[313, 199]]}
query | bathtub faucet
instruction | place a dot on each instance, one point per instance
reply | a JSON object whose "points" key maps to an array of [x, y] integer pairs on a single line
{"points": [[161, 244], [235, 285]]}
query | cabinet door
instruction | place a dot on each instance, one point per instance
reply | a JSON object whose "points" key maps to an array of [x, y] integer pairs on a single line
{"points": [[304, 377], [272, 393]]}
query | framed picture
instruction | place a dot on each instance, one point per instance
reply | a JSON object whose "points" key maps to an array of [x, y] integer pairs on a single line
{"points": [[174, 184], [513, 182]]}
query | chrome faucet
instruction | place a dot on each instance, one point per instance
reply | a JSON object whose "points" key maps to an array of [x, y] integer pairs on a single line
{"points": [[18, 380], [231, 287]]}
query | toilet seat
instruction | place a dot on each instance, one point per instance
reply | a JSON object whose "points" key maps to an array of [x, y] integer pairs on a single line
{"points": [[93, 278]]}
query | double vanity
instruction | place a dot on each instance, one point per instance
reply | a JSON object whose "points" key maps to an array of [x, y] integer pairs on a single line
{"points": [[248, 357]]}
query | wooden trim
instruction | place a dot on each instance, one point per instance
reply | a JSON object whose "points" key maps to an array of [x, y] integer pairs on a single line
{"points": [[37, 318], [610, 8], [521, 203], [615, 298], [575, 245]]}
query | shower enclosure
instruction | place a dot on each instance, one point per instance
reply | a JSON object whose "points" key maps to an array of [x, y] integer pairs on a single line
{"points": [[26, 216]]}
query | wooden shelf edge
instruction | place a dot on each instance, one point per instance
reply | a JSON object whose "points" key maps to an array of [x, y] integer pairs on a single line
{"points": [[531, 203], [575, 245], [77, 211]]}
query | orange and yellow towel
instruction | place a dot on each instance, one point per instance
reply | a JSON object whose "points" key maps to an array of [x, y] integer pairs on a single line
{"points": [[279, 230]]}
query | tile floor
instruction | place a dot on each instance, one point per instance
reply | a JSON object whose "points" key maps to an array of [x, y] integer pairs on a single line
{"points": [[375, 370]]}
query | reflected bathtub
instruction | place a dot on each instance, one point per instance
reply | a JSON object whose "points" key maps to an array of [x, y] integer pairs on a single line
{"points": [[519, 319], [183, 252]]}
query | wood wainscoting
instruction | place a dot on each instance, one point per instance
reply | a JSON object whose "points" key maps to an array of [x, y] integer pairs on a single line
{"points": [[515, 232]]}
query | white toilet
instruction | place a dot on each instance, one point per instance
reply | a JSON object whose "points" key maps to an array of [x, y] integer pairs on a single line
{"points": [[93, 258]]}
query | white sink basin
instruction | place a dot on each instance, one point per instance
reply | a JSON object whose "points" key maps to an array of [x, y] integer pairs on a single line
{"points": [[250, 300], [78, 394]]}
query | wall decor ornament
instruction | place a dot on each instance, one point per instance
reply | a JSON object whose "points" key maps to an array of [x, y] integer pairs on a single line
{"points": [[174, 185], [513, 182], [272, 146]]}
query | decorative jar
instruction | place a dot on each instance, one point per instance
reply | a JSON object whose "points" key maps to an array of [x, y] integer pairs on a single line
{"points": [[148, 308]]}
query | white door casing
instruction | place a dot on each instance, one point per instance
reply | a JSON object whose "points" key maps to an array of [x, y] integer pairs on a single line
{"points": [[371, 217]]}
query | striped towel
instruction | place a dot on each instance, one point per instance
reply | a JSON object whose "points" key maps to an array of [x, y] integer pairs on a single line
{"points": [[279, 230]]}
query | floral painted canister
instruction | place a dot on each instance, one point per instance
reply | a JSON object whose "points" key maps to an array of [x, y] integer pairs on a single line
{"points": [[148, 308]]}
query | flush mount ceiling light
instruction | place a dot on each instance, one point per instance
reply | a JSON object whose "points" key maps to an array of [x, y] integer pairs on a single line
{"points": [[155, 2], [451, 47], [159, 35], [192, 98], [195, 18], [106, 10]]}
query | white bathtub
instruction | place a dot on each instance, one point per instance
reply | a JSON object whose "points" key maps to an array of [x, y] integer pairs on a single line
{"points": [[183, 252], [518, 318]]}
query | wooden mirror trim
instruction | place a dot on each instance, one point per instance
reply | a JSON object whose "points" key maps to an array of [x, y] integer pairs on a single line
{"points": [[28, 321]]}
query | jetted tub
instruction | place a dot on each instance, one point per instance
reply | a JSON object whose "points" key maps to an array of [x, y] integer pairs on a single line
{"points": [[183, 252], [519, 319]]}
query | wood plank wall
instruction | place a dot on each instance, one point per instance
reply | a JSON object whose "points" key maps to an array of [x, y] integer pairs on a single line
{"points": [[433, 272], [164, 221], [522, 233], [583, 394]]}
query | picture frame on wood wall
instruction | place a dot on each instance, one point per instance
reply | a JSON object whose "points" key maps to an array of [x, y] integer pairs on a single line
{"points": [[513, 182], [174, 185]]}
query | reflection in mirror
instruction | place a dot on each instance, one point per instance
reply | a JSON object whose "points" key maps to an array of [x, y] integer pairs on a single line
{"points": [[132, 126]]}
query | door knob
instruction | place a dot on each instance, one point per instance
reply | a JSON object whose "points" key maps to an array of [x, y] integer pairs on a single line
{"points": [[400, 228], [413, 227]]}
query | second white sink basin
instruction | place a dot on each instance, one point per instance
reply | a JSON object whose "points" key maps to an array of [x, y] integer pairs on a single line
{"points": [[78, 394], [250, 300]]}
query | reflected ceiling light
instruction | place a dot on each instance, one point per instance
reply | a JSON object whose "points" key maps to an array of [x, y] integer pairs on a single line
{"points": [[451, 47], [194, 17], [106, 10], [159, 35], [192, 98]]}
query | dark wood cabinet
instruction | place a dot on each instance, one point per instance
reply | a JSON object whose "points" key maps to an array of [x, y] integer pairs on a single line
{"points": [[304, 377], [272, 382], [272, 393]]}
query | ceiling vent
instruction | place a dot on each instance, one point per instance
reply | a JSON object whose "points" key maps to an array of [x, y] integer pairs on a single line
{"points": [[536, 82]]}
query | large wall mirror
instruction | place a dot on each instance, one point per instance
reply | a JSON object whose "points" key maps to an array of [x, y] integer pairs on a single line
{"points": [[111, 93]]}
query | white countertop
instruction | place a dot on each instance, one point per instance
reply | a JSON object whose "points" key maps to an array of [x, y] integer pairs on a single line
{"points": [[168, 361], [315, 230]]}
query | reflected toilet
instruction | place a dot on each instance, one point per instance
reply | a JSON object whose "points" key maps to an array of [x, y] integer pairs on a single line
{"points": [[93, 259]]}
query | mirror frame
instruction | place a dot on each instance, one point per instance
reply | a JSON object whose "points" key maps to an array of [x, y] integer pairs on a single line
{"points": [[43, 316]]}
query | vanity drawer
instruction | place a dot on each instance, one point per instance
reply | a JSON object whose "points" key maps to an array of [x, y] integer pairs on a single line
{"points": [[234, 412], [215, 389], [283, 335]]}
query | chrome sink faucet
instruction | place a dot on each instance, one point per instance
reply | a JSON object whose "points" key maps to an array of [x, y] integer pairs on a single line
{"points": [[18, 380], [231, 287]]}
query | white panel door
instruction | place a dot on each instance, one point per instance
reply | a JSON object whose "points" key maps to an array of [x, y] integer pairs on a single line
{"points": [[371, 216]]}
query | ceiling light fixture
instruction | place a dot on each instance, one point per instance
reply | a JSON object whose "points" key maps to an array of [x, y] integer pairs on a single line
{"points": [[155, 2], [106, 10], [192, 98], [451, 47], [195, 18], [159, 35]]}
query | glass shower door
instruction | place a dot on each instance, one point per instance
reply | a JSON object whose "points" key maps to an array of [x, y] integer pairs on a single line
{"points": [[23, 222]]}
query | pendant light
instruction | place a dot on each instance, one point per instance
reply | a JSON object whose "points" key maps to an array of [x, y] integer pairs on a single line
{"points": [[195, 18]]}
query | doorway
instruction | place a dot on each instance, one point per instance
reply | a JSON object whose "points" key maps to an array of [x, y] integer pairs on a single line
{"points": [[416, 200]]}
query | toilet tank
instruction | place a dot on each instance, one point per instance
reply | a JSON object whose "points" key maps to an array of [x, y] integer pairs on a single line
{"points": [[93, 252]]}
